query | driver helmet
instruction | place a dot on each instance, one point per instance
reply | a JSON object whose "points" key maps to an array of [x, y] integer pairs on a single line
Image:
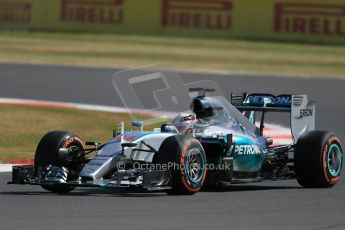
{"points": [[184, 122]]}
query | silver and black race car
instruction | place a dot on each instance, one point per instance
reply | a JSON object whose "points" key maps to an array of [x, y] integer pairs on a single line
{"points": [[217, 144]]}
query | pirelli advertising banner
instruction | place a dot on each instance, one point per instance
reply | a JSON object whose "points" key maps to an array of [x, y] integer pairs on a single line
{"points": [[295, 20]]}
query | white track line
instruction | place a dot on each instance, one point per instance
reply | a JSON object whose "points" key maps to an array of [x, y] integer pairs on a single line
{"points": [[281, 135], [6, 168], [66, 105]]}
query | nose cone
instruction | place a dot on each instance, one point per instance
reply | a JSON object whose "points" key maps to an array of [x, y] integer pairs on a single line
{"points": [[105, 160]]}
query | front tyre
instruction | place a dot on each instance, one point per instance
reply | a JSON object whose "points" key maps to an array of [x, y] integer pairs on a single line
{"points": [[318, 159], [47, 155], [187, 158]]}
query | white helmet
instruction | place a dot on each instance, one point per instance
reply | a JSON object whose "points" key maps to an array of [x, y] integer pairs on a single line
{"points": [[184, 121]]}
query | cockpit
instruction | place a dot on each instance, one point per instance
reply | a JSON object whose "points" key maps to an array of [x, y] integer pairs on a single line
{"points": [[217, 111]]}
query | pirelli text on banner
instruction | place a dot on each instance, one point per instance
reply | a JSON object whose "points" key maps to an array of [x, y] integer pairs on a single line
{"points": [[202, 14], [308, 18], [93, 11]]}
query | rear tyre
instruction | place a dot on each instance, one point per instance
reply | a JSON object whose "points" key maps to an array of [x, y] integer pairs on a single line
{"points": [[47, 154], [318, 159], [188, 156]]}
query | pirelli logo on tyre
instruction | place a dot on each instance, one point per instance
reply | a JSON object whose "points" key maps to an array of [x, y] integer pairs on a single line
{"points": [[15, 12], [92, 11], [312, 19], [197, 14]]}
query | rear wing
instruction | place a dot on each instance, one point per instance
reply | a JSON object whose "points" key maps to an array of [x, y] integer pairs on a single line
{"points": [[302, 111]]}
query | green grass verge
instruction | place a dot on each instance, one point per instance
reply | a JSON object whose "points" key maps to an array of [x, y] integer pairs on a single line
{"points": [[23, 127], [218, 55]]}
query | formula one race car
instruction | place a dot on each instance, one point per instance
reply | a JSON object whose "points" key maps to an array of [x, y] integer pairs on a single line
{"points": [[216, 144]]}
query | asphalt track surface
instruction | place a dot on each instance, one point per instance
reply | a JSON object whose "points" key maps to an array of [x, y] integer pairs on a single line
{"points": [[267, 205]]}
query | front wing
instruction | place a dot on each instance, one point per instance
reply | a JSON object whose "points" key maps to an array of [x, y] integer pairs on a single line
{"points": [[152, 180]]}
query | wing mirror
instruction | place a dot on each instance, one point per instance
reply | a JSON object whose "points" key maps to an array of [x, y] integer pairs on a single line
{"points": [[139, 124]]}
